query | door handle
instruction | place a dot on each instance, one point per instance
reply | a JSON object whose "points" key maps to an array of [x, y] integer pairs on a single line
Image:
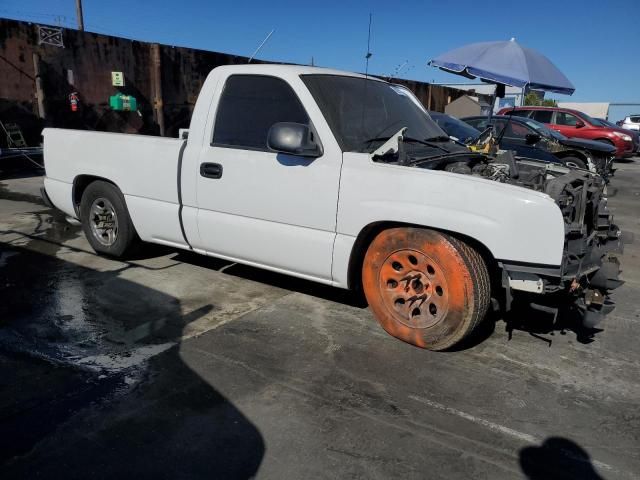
{"points": [[211, 170]]}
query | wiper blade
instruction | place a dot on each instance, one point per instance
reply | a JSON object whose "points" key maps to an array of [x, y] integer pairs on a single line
{"points": [[438, 138], [376, 139], [446, 155], [426, 142]]}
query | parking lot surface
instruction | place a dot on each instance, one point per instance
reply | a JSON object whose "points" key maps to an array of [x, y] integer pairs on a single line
{"points": [[174, 365]]}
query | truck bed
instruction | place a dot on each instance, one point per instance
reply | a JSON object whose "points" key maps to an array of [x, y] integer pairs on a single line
{"points": [[143, 167]]}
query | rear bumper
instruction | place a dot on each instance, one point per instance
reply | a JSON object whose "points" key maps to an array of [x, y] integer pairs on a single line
{"points": [[60, 195]]}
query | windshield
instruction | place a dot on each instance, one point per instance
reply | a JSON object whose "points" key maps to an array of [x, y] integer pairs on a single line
{"points": [[455, 127], [363, 113], [604, 123], [543, 129], [586, 117]]}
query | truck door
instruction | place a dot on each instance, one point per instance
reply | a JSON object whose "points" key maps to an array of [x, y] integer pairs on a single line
{"points": [[260, 207]]}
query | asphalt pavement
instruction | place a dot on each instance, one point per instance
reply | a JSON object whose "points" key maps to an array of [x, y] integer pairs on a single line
{"points": [[174, 365]]}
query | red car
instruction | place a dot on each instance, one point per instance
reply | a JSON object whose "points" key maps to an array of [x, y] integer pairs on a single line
{"points": [[572, 123]]}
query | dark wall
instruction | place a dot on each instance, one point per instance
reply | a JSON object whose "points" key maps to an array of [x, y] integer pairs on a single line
{"points": [[92, 57]]}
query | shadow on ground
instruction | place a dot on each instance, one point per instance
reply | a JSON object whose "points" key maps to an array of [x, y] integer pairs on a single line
{"points": [[93, 385], [545, 325], [275, 279], [557, 458]]}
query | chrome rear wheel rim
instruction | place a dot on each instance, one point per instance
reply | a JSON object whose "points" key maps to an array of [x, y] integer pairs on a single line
{"points": [[103, 221]]}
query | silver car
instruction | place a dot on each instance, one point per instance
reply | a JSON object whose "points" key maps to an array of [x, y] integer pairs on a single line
{"points": [[631, 122]]}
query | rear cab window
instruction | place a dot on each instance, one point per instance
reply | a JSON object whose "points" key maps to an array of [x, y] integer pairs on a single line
{"points": [[249, 106]]}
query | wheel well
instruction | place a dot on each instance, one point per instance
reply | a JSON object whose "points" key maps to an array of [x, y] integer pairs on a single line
{"points": [[368, 233], [571, 153], [605, 140], [80, 184]]}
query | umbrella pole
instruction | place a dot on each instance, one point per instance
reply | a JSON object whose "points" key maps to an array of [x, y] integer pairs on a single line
{"points": [[498, 92], [493, 102]]}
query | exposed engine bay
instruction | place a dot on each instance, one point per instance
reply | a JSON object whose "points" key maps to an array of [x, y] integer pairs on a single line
{"points": [[588, 269]]}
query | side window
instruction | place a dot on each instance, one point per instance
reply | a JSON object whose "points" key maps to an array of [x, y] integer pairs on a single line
{"points": [[543, 116], [249, 106], [518, 113], [478, 123], [499, 125], [564, 118], [516, 130]]}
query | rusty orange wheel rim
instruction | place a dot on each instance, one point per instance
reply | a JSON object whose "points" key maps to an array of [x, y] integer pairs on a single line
{"points": [[413, 288]]}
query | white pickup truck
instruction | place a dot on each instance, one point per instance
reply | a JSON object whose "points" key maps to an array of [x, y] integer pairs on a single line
{"points": [[344, 180]]}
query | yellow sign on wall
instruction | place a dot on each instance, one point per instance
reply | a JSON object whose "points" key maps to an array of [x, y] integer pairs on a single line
{"points": [[117, 79]]}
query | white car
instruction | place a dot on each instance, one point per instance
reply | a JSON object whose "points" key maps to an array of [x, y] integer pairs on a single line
{"points": [[343, 179], [631, 122]]}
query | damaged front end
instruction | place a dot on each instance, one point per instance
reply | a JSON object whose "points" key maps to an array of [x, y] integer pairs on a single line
{"points": [[589, 269]]}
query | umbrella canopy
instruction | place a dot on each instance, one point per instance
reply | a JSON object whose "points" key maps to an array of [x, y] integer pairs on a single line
{"points": [[505, 62]]}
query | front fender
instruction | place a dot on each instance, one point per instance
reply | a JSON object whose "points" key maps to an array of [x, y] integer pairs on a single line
{"points": [[514, 223]]}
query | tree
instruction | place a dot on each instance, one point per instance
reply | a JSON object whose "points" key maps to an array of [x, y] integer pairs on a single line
{"points": [[533, 99]]}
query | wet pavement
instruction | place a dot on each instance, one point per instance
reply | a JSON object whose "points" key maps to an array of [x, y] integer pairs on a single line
{"points": [[173, 365]]}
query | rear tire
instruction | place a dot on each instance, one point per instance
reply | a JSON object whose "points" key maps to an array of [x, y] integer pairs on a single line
{"points": [[106, 221], [424, 287], [575, 162]]}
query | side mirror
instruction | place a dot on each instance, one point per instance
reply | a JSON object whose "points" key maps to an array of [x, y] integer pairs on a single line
{"points": [[532, 138], [579, 124], [294, 139]]}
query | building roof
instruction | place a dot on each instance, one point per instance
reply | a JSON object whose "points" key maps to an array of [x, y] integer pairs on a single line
{"points": [[594, 109]]}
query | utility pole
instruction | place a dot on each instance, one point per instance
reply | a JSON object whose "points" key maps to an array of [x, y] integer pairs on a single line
{"points": [[39, 90], [79, 15], [156, 85]]}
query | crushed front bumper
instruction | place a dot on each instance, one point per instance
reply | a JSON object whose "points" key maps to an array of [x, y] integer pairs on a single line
{"points": [[584, 281]]}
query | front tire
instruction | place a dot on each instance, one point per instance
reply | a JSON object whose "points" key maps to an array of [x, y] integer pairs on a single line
{"points": [[424, 287], [105, 220], [575, 162]]}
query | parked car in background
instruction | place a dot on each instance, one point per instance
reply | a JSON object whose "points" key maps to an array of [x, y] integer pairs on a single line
{"points": [[525, 134], [468, 134], [631, 122], [572, 123], [635, 135]]}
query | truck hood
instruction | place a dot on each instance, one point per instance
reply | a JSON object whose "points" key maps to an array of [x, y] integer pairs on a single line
{"points": [[588, 145]]}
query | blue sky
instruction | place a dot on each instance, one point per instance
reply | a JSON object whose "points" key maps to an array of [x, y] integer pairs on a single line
{"points": [[596, 43]]}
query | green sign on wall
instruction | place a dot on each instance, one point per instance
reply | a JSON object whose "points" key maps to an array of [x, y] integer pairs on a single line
{"points": [[123, 103]]}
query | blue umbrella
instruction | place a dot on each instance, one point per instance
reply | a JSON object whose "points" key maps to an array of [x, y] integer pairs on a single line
{"points": [[507, 63]]}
